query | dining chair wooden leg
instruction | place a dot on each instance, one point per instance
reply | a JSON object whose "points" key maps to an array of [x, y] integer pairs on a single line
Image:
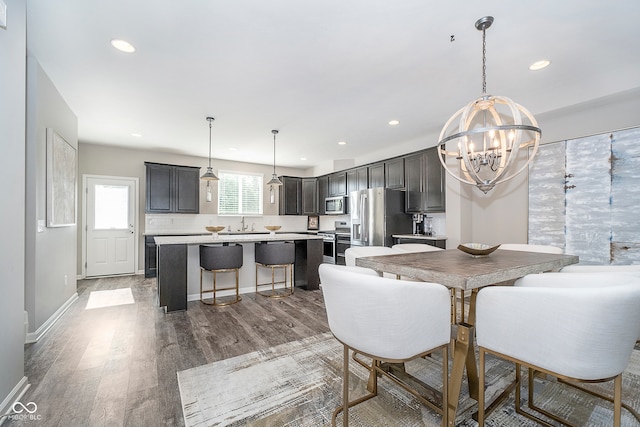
{"points": [[457, 372], [481, 402], [345, 388]]}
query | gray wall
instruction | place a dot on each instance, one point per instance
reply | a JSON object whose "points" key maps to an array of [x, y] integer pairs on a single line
{"points": [[117, 161], [12, 137], [50, 275]]}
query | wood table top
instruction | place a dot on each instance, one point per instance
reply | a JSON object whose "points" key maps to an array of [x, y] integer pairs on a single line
{"points": [[456, 269]]}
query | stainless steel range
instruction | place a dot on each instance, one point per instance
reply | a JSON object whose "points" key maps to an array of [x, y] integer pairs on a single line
{"points": [[335, 242], [328, 246]]}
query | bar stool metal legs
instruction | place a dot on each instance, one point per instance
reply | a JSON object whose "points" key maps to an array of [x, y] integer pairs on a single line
{"points": [[279, 255], [220, 259], [215, 300], [276, 293]]}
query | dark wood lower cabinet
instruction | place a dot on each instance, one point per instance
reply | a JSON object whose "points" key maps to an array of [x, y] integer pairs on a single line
{"points": [[438, 243], [150, 264], [172, 277]]}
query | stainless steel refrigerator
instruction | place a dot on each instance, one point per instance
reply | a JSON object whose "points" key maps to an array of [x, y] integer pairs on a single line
{"points": [[376, 214]]}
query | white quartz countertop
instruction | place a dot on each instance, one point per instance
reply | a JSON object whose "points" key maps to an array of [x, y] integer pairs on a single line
{"points": [[176, 233], [233, 238], [419, 237]]}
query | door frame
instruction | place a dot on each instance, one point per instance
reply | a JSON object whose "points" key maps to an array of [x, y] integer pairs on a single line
{"points": [[136, 203]]}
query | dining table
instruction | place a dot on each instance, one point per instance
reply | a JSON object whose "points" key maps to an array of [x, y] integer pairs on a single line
{"points": [[458, 270]]}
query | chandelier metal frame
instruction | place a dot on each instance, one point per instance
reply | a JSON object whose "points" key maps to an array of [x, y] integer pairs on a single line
{"points": [[489, 131]]}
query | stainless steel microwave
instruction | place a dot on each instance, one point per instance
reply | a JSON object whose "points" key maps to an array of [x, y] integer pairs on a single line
{"points": [[336, 205]]}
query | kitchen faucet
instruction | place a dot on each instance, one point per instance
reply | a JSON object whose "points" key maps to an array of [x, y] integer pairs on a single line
{"points": [[244, 227]]}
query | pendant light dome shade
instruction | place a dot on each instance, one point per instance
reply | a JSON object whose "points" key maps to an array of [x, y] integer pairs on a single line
{"points": [[209, 175]]}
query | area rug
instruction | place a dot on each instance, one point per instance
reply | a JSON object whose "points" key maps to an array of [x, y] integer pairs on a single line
{"points": [[299, 384]]}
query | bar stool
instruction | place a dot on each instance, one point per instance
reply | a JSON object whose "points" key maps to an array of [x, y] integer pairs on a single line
{"points": [[276, 255], [220, 259]]}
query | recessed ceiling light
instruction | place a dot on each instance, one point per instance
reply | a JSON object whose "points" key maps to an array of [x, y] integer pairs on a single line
{"points": [[342, 143], [394, 122], [123, 46], [233, 149], [136, 134], [303, 158], [539, 65]]}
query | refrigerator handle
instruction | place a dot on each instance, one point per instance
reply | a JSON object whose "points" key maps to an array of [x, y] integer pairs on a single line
{"points": [[364, 218]]}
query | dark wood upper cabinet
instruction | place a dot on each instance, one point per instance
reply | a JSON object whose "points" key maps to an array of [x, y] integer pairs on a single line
{"points": [[357, 179], [376, 175], [394, 173], [172, 188], [424, 182], [323, 193], [338, 184], [290, 195], [436, 183], [309, 196]]}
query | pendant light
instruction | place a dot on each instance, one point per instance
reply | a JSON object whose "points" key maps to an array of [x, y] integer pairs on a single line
{"points": [[209, 175], [274, 177], [485, 135]]}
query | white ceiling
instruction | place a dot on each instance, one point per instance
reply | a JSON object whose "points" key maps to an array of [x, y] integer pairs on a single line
{"points": [[320, 71]]}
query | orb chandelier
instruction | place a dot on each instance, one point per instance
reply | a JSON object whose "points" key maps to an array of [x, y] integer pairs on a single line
{"points": [[486, 135]]}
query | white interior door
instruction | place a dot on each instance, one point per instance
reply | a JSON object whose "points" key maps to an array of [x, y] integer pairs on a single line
{"points": [[110, 226]]}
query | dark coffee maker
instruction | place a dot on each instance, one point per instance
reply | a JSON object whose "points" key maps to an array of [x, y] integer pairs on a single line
{"points": [[418, 225], [422, 224]]}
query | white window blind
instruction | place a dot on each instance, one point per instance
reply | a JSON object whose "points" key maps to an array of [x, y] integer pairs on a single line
{"points": [[239, 193]]}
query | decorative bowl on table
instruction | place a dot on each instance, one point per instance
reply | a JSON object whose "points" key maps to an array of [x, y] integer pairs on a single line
{"points": [[214, 229], [273, 228], [477, 249]]}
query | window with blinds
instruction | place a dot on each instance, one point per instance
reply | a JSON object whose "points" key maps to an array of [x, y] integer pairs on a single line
{"points": [[239, 193]]}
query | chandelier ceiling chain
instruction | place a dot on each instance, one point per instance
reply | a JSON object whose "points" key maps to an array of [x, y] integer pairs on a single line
{"points": [[488, 134], [484, 58]]}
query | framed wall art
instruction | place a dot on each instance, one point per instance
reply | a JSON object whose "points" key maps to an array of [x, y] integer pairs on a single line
{"points": [[313, 222], [61, 181]]}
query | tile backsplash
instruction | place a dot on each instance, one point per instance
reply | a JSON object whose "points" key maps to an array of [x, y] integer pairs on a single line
{"points": [[196, 223], [185, 223]]}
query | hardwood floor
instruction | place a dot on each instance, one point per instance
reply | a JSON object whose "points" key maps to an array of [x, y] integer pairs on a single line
{"points": [[117, 365]]}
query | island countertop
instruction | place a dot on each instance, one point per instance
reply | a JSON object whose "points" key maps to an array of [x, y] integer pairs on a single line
{"points": [[233, 238]]}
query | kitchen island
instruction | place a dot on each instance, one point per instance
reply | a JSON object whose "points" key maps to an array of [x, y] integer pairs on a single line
{"points": [[178, 276]]}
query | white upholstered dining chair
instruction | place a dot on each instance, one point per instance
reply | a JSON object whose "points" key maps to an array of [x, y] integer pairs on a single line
{"points": [[354, 252], [557, 327], [415, 247], [530, 248], [608, 268], [386, 320]]}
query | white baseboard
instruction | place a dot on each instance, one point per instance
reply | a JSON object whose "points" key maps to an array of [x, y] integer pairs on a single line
{"points": [[14, 396], [42, 330]]}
